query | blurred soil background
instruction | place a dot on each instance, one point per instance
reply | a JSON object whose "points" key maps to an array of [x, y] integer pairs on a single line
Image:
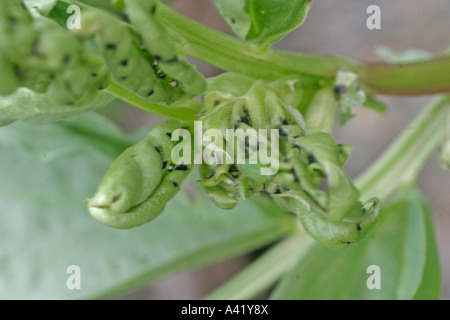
{"points": [[336, 28]]}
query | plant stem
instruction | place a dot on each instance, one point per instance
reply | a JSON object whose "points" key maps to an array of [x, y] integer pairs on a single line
{"points": [[265, 271], [231, 54], [401, 163], [426, 77], [179, 113]]}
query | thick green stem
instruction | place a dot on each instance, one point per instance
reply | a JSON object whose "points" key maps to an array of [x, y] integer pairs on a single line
{"points": [[265, 271], [426, 77], [177, 113], [231, 54], [401, 163]]}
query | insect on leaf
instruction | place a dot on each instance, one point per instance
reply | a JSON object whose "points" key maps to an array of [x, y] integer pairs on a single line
{"points": [[402, 245]]}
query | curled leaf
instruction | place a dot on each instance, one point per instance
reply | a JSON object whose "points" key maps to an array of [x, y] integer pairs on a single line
{"points": [[337, 235], [141, 181], [309, 179]]}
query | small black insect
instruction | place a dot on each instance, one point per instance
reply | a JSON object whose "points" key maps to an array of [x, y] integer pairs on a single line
{"points": [[182, 167], [67, 58], [211, 174], [234, 171], [111, 46], [340, 89], [311, 159], [246, 118], [116, 198]]}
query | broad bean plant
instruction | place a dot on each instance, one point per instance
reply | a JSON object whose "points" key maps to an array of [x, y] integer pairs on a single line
{"points": [[255, 145]]}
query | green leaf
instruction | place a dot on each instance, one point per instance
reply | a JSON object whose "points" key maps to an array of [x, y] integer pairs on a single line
{"points": [[290, 89], [5, 121], [321, 113], [25, 104], [59, 13], [233, 83], [46, 172], [430, 287], [101, 4], [263, 21], [402, 245], [375, 104], [44, 6]]}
